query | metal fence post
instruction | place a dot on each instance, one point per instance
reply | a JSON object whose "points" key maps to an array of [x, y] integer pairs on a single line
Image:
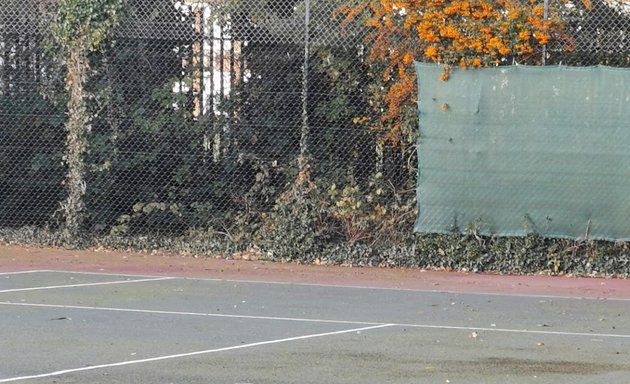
{"points": [[305, 69], [546, 17]]}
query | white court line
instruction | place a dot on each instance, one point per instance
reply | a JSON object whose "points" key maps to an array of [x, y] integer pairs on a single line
{"points": [[189, 354], [84, 285], [411, 325], [218, 315], [434, 291], [111, 274], [522, 331], [23, 272], [362, 287]]}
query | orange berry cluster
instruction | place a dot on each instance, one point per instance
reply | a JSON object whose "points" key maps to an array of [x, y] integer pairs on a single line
{"points": [[465, 33]]}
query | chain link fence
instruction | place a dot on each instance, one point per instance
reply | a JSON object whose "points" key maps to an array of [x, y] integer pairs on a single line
{"points": [[204, 116], [596, 32]]}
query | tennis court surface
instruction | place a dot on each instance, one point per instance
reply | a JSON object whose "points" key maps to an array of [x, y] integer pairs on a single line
{"points": [[77, 326]]}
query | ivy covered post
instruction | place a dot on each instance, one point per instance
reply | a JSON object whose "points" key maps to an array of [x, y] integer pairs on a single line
{"points": [[80, 28]]}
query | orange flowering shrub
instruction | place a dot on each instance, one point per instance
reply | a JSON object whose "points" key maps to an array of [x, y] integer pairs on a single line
{"points": [[466, 33]]}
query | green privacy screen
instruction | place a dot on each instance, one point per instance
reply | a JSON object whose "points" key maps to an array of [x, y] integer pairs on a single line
{"points": [[516, 150]]}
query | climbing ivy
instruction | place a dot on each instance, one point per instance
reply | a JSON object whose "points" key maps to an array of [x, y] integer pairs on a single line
{"points": [[80, 28]]}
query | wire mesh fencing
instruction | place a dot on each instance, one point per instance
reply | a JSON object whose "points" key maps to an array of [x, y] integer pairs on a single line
{"points": [[218, 125], [595, 32]]}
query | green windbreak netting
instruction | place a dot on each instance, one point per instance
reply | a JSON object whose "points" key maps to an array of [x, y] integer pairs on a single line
{"points": [[515, 150]]}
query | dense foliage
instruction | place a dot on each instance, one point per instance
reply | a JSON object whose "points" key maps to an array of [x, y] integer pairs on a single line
{"points": [[155, 124]]}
